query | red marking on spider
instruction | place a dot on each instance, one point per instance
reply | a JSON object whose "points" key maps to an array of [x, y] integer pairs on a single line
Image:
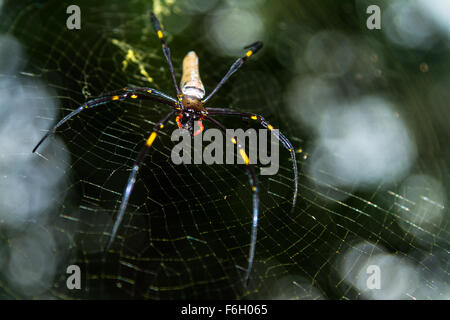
{"points": [[199, 123], [200, 129], [178, 122]]}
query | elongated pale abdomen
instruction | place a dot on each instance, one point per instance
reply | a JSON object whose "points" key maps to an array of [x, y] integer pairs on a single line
{"points": [[191, 84]]}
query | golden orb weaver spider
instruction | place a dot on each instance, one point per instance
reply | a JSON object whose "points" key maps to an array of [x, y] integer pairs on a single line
{"points": [[189, 107]]}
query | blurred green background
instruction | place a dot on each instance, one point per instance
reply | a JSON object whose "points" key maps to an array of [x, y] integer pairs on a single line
{"points": [[367, 111]]}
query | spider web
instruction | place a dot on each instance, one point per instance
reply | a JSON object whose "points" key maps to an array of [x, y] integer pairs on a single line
{"points": [[187, 228]]}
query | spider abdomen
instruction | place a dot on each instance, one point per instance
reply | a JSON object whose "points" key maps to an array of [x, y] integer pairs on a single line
{"points": [[191, 84]]}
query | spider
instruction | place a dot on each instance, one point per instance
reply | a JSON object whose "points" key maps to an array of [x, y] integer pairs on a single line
{"points": [[189, 106]]}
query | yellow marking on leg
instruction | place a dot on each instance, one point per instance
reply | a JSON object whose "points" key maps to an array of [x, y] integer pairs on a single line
{"points": [[160, 34], [86, 106], [249, 53], [161, 126], [253, 188], [254, 117], [233, 140], [149, 91], [133, 96], [115, 98], [151, 139], [270, 127], [244, 156]]}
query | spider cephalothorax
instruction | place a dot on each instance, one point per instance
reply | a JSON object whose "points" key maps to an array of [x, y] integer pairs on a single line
{"points": [[192, 103], [190, 111]]}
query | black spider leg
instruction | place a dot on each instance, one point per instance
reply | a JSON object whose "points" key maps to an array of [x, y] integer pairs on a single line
{"points": [[285, 141], [253, 48], [166, 51], [255, 196], [132, 178], [133, 93]]}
